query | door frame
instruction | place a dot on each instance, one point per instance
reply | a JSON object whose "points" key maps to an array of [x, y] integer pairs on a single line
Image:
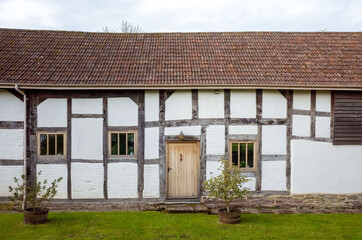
{"points": [[199, 165]]}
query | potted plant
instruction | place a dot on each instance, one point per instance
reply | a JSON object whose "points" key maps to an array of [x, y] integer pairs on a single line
{"points": [[227, 186], [33, 194]]}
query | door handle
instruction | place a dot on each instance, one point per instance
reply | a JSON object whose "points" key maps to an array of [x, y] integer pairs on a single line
{"points": [[168, 169], [181, 157]]}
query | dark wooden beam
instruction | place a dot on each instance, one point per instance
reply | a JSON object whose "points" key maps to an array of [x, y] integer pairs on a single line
{"points": [[105, 147], [195, 104], [11, 125], [10, 162], [141, 142], [259, 108], [69, 148], [313, 113], [162, 144], [227, 120], [289, 96]]}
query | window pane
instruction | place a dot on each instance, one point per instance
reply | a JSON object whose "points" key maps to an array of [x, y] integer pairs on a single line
{"points": [[122, 144], [60, 144], [43, 144], [51, 144], [242, 155], [130, 144], [234, 156], [250, 155], [114, 144]]}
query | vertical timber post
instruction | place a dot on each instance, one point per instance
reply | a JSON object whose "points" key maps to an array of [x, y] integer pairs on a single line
{"points": [[141, 142], [162, 152], [259, 109], [105, 144], [69, 148]]}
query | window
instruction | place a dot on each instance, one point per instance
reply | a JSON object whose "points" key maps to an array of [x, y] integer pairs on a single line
{"points": [[51, 144], [122, 144], [243, 154]]}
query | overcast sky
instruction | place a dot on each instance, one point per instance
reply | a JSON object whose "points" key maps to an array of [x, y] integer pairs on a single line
{"points": [[183, 15]]}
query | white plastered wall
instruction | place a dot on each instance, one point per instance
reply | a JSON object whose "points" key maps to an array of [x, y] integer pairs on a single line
{"points": [[301, 125], [52, 113], [211, 105], [323, 101], [187, 130], [87, 138], [151, 181], [323, 127], [87, 106], [50, 172], [273, 176], [247, 129], [179, 105], [11, 144], [242, 103], [152, 143], [215, 140], [274, 140], [87, 180], [212, 169], [7, 178], [152, 105], [321, 167], [251, 184], [122, 180], [274, 104], [11, 108], [122, 112], [301, 100]]}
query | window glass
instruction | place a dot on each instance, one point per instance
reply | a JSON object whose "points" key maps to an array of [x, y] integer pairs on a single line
{"points": [[250, 155], [51, 144], [235, 152], [114, 144], [242, 155], [130, 143], [60, 144], [122, 144], [43, 144]]}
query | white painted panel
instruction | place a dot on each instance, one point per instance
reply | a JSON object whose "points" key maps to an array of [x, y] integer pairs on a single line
{"points": [[211, 105], [243, 129], [274, 104], [323, 127], [122, 180], [251, 184], [7, 174], [122, 112], [50, 172], [87, 138], [301, 125], [274, 140], [87, 106], [301, 100], [11, 108], [151, 181], [212, 169], [152, 143], [152, 105], [215, 139], [323, 101], [273, 176], [179, 105], [243, 103], [187, 130], [321, 167], [87, 180], [52, 113], [11, 144]]}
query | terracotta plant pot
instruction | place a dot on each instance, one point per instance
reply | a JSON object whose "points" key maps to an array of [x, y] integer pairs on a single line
{"points": [[231, 217], [38, 217]]}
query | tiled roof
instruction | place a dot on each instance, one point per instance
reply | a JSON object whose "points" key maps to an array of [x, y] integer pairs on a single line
{"points": [[59, 58]]}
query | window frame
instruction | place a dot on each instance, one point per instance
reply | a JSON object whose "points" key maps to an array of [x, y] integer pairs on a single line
{"points": [[255, 154], [122, 156], [52, 133]]}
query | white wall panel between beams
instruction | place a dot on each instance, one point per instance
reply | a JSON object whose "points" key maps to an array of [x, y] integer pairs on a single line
{"points": [[51, 172], [243, 129], [323, 101], [7, 174], [11, 108], [179, 105], [11, 144], [251, 184], [152, 105], [211, 105], [87, 180], [301, 100], [87, 138], [321, 167], [274, 104], [87, 106], [122, 180], [273, 176], [152, 143], [301, 125], [122, 112], [242, 103], [212, 169], [52, 113], [187, 130], [274, 140], [151, 181], [323, 127], [215, 140]]}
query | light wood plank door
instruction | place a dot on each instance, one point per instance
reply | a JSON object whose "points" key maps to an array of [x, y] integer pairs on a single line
{"points": [[183, 163]]}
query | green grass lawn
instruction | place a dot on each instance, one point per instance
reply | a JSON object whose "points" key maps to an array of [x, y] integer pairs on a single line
{"points": [[156, 225]]}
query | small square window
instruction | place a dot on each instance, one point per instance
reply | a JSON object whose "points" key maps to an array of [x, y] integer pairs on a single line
{"points": [[243, 155], [51, 144], [122, 144]]}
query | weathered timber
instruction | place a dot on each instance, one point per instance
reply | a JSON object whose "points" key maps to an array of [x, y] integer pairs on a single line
{"points": [[313, 113], [259, 108], [202, 159], [227, 120], [105, 147], [10, 162], [88, 115], [11, 125], [289, 96], [69, 148], [162, 144], [195, 103], [141, 141]]}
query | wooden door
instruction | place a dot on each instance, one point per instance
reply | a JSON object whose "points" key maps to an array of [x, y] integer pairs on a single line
{"points": [[183, 161]]}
